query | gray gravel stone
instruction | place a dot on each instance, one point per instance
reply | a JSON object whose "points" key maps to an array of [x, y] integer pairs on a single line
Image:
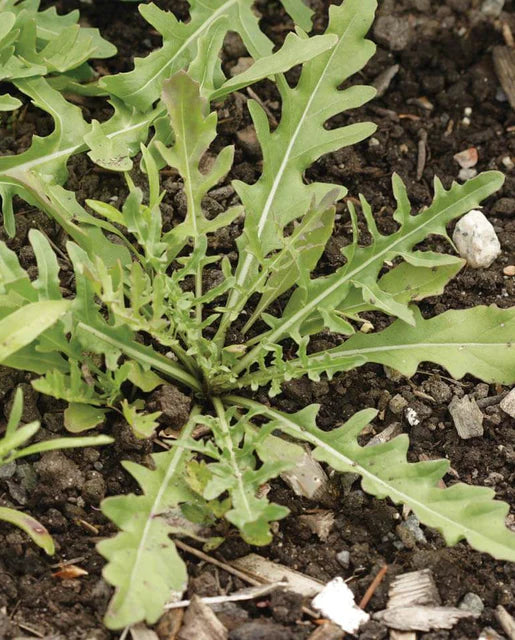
{"points": [[472, 602], [393, 32], [467, 417]]}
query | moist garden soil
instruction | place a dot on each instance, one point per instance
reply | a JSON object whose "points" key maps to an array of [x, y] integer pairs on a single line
{"points": [[445, 74]]}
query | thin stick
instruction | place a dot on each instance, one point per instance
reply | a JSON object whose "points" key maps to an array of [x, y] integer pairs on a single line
{"points": [[230, 569], [217, 563], [373, 586]]}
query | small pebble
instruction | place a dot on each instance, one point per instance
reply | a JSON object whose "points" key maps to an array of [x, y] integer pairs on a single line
{"points": [[412, 417], [395, 32], [508, 163], [508, 403], [343, 558], [476, 240], [492, 8], [397, 404], [472, 602], [510, 270], [467, 158], [467, 174]]}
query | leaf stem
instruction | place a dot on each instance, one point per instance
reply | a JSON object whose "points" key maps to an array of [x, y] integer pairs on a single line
{"points": [[146, 356]]}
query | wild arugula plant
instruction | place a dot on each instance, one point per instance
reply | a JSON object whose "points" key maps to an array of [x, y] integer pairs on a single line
{"points": [[36, 43], [144, 310], [14, 437]]}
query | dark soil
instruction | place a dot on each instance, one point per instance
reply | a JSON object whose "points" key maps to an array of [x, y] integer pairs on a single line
{"points": [[443, 50]]}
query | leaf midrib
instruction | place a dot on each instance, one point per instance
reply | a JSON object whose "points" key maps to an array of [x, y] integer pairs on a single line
{"points": [[249, 258]]}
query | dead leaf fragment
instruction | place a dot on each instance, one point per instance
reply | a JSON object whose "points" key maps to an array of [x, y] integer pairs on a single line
{"points": [[200, 623], [70, 572], [319, 523]]}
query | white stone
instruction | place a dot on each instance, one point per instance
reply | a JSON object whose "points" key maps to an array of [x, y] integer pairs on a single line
{"points": [[476, 240], [467, 174], [508, 403], [492, 8], [336, 602]]}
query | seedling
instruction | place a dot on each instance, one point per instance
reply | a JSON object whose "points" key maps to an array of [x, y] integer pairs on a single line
{"points": [[143, 314]]}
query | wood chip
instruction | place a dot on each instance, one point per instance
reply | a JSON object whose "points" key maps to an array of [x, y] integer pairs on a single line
{"points": [[267, 571], [402, 635], [421, 618], [413, 588], [504, 63], [200, 623], [327, 631], [383, 80], [467, 417], [506, 621]]}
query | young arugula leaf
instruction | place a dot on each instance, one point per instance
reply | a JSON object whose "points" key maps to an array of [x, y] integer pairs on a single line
{"points": [[209, 21], [143, 563], [280, 195], [31, 173], [42, 43], [459, 511], [194, 133]]}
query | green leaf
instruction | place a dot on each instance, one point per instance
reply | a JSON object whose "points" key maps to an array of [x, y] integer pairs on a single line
{"points": [[38, 43], [82, 417], [459, 511], [296, 49], [281, 195], [299, 256], [47, 283], [24, 325], [63, 443], [106, 152], [476, 341], [143, 563], [300, 13], [235, 472], [142, 86], [31, 174], [8, 103], [32, 527], [143, 424], [194, 133]]}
